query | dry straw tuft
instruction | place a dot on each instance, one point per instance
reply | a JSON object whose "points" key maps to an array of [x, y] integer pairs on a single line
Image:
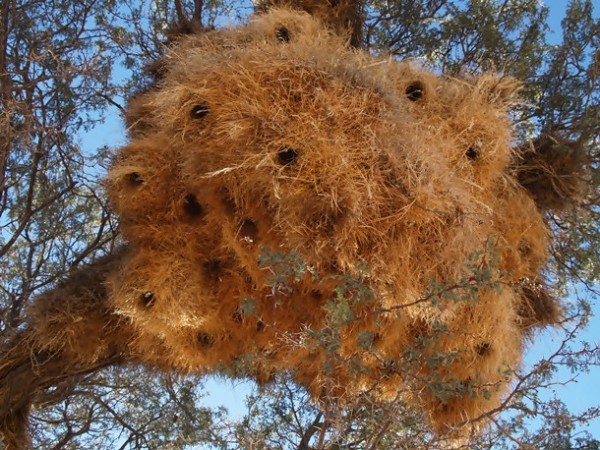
{"points": [[553, 170]]}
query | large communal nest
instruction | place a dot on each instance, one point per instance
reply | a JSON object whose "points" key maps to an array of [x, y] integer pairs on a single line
{"points": [[281, 192]]}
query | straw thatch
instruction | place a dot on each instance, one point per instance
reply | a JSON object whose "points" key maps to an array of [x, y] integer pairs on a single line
{"points": [[282, 192], [553, 170], [344, 17]]}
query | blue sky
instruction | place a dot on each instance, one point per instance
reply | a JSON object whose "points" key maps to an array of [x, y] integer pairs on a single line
{"points": [[578, 395]]}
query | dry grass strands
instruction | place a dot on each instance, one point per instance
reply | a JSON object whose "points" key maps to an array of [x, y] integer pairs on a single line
{"points": [[344, 17], [538, 307], [553, 170], [291, 204]]}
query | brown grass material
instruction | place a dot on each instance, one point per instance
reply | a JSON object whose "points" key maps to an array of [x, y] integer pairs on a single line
{"points": [[344, 17], [478, 350], [292, 204], [74, 319], [554, 171], [538, 306], [301, 146]]}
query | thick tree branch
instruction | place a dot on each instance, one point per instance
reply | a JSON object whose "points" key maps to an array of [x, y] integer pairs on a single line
{"points": [[45, 353]]}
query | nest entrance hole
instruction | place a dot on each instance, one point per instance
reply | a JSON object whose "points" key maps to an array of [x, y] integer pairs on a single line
{"points": [[472, 153], [483, 348], [148, 299], [205, 340], [191, 206], [282, 34], [199, 111], [415, 91], [287, 156], [135, 179], [248, 230], [212, 270]]}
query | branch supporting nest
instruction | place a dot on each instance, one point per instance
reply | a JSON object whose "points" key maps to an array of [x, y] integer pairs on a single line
{"points": [[23, 377], [71, 333]]}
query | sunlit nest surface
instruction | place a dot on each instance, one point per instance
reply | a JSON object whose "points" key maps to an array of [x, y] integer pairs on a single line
{"points": [[290, 204]]}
